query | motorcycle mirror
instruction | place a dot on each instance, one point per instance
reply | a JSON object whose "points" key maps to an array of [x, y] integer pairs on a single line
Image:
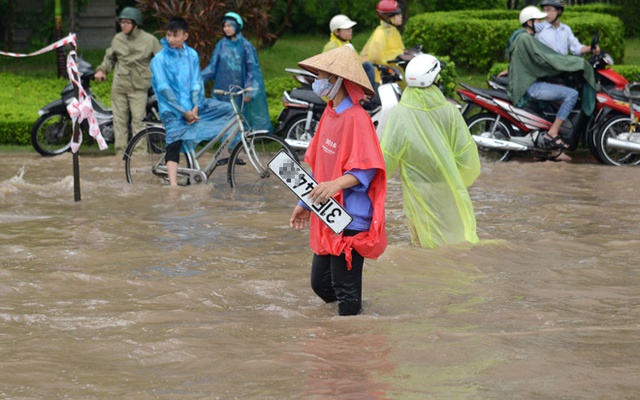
{"points": [[595, 41]]}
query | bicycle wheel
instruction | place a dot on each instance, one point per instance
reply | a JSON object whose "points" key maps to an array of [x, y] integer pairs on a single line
{"points": [[51, 134], [144, 158], [242, 174]]}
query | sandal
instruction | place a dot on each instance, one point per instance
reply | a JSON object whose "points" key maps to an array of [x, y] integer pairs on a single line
{"points": [[551, 142]]}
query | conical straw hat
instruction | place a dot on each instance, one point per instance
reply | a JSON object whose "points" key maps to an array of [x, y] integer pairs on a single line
{"points": [[343, 62]]}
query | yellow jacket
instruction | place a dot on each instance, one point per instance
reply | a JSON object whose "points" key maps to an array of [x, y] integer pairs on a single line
{"points": [[384, 44], [333, 43]]}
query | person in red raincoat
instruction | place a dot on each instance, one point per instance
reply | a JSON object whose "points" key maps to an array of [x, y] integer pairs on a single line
{"points": [[346, 161]]}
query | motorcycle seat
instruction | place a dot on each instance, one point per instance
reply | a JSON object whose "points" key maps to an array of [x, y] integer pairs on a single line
{"points": [[499, 94], [307, 95], [501, 80]]}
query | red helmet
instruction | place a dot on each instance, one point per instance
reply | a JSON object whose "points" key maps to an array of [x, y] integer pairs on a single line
{"points": [[387, 9]]}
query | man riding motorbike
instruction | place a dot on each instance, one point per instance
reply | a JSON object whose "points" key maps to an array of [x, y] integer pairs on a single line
{"points": [[557, 35], [530, 62]]}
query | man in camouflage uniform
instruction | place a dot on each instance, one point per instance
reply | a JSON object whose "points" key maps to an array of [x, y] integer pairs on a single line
{"points": [[130, 54]]}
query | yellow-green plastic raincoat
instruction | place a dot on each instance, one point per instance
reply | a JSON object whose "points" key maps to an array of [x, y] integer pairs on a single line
{"points": [[334, 42], [428, 139], [384, 44]]}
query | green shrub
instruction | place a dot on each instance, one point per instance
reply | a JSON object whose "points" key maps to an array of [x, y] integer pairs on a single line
{"points": [[453, 5], [21, 98], [448, 76], [480, 41], [626, 15], [275, 88]]}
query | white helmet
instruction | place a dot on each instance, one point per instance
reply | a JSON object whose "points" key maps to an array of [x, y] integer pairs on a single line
{"points": [[340, 22], [422, 70], [529, 13]]}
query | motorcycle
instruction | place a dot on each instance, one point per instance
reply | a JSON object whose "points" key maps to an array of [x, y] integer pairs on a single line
{"points": [[52, 132], [302, 110], [502, 130], [617, 142]]}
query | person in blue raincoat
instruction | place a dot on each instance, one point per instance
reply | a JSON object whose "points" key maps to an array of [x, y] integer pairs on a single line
{"points": [[187, 116], [428, 140], [235, 62]]}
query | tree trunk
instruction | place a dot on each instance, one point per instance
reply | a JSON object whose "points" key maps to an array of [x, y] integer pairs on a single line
{"points": [[62, 65], [9, 19], [72, 16], [286, 23]]}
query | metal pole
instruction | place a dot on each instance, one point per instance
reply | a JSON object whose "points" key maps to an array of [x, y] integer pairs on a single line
{"points": [[76, 137]]}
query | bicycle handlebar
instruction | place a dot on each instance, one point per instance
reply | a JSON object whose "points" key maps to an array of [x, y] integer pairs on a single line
{"points": [[233, 92]]}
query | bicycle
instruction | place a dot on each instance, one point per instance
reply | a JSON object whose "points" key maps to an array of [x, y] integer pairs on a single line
{"points": [[247, 164]]}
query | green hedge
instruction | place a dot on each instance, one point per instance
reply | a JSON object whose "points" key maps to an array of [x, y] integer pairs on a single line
{"points": [[22, 97], [313, 16], [626, 15], [477, 39]]}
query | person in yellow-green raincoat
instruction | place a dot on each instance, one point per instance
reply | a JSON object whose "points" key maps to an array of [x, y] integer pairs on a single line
{"points": [[427, 138], [385, 43]]}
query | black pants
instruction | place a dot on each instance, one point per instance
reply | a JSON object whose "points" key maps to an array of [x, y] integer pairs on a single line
{"points": [[173, 151], [331, 280]]}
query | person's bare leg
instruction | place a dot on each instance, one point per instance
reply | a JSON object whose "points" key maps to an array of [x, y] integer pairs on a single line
{"points": [[172, 169], [555, 127], [563, 157]]}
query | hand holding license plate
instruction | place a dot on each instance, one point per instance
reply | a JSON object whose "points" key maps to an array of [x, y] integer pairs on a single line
{"points": [[301, 184]]}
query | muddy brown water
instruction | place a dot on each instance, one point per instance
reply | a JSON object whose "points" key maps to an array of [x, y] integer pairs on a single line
{"points": [[152, 293]]}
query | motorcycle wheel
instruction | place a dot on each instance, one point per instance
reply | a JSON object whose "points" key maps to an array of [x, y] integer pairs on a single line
{"points": [[608, 155], [295, 129], [593, 147], [482, 123], [51, 134]]}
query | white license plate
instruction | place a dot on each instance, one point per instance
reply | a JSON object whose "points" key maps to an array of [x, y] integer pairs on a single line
{"points": [[301, 184]]}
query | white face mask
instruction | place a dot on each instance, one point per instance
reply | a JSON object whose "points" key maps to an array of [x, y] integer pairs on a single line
{"points": [[324, 88]]}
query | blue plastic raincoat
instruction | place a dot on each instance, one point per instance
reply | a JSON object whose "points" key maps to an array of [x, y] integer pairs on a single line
{"points": [[177, 82], [428, 139], [235, 62]]}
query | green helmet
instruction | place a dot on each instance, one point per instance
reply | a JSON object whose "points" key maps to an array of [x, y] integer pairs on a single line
{"points": [[131, 13], [558, 4], [234, 17]]}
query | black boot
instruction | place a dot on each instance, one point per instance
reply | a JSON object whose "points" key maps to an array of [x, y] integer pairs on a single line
{"points": [[349, 308]]}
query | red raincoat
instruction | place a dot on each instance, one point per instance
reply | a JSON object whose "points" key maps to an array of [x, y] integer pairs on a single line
{"points": [[344, 142]]}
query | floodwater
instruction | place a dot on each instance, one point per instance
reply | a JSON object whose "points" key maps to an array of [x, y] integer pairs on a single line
{"points": [[202, 293]]}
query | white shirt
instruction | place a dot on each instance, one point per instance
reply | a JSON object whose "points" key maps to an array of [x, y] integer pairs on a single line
{"points": [[560, 39]]}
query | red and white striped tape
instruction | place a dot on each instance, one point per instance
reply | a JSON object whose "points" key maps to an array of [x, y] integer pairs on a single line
{"points": [[71, 39], [81, 109]]}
